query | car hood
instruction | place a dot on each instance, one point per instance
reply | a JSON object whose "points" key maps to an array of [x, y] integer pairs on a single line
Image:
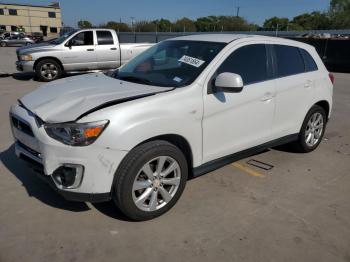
{"points": [[69, 99], [35, 48]]}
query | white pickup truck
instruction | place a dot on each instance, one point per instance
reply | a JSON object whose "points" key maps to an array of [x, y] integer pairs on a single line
{"points": [[80, 50]]}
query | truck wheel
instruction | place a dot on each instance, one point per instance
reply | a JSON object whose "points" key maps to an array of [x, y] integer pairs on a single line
{"points": [[48, 70], [150, 180], [3, 44], [312, 130]]}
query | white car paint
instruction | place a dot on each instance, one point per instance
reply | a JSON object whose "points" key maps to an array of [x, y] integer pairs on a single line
{"points": [[214, 125]]}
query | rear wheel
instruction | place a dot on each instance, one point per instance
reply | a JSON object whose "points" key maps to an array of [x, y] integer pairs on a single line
{"points": [[3, 44], [48, 70], [150, 180], [312, 130]]}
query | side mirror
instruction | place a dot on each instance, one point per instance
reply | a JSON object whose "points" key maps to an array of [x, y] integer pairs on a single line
{"points": [[229, 82], [69, 43]]}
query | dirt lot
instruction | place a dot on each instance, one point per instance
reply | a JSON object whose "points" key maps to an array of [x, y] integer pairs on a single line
{"points": [[297, 211]]}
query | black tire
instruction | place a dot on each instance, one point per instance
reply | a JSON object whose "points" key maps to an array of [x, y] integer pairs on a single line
{"points": [[56, 67], [122, 191], [3, 44], [301, 145]]}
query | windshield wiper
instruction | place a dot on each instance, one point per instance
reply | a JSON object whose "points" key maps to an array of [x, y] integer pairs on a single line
{"points": [[135, 79]]}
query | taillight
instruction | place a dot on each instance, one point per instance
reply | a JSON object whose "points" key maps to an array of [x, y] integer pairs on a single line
{"points": [[331, 77]]}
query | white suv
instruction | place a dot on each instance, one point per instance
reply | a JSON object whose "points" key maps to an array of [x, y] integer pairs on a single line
{"points": [[182, 108]]}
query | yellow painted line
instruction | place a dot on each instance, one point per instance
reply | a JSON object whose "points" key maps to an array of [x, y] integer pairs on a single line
{"points": [[247, 170]]}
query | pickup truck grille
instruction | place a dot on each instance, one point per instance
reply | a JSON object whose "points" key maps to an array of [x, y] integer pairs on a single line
{"points": [[22, 126]]}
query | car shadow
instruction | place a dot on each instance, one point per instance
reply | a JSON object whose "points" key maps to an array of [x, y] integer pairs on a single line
{"points": [[24, 76], [34, 186]]}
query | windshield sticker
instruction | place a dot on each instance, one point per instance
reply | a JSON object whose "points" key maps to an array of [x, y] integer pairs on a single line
{"points": [[177, 79], [191, 61]]}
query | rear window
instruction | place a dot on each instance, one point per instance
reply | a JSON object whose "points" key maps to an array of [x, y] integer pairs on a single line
{"points": [[310, 64], [289, 60], [104, 38]]}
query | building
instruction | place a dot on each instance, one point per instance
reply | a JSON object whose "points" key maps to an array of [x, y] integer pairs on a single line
{"points": [[31, 18]]}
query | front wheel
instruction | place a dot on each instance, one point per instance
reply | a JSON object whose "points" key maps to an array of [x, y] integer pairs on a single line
{"points": [[150, 180], [48, 70], [312, 130], [3, 44]]}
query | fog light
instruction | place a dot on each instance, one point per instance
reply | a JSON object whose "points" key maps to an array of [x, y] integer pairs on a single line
{"points": [[68, 176]]}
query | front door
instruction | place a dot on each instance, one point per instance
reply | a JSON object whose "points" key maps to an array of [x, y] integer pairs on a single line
{"points": [[233, 122]]}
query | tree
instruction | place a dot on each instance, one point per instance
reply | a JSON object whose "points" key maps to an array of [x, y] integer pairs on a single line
{"points": [[84, 24], [117, 26], [339, 5], [277, 22], [163, 25], [184, 25], [313, 21], [145, 26]]}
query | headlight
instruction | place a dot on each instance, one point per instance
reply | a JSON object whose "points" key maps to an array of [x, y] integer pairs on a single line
{"points": [[76, 134], [26, 57]]}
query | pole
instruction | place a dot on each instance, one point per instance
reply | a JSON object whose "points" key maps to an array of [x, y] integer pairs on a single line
{"points": [[277, 29], [238, 8]]}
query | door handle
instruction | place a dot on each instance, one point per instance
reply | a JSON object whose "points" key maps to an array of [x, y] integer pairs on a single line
{"points": [[308, 84], [113, 48], [266, 97], [90, 49]]}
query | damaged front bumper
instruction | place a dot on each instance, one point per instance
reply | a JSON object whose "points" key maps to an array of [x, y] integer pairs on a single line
{"points": [[77, 173]]}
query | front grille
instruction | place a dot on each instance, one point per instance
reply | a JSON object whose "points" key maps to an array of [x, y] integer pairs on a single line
{"points": [[37, 167], [32, 151], [22, 126]]}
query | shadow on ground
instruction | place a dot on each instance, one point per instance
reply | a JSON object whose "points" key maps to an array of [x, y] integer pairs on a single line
{"points": [[37, 188], [34, 186], [24, 76]]}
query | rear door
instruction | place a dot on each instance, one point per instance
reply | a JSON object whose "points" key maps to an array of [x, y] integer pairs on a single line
{"points": [[233, 122], [294, 86], [107, 51], [80, 53]]}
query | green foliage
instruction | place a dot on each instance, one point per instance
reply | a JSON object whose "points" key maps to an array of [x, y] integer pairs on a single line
{"points": [[185, 25], [84, 24], [117, 26], [277, 22]]}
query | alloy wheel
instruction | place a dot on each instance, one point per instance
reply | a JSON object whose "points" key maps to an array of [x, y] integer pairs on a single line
{"points": [[314, 129], [49, 71], [156, 183]]}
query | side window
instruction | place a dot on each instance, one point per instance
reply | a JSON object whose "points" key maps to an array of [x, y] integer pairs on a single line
{"points": [[83, 38], [289, 60], [104, 38], [1, 11], [310, 64], [250, 62]]}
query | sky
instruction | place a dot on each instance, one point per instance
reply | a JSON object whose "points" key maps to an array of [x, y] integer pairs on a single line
{"points": [[102, 11]]}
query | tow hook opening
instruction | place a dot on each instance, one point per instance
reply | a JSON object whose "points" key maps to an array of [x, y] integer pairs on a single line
{"points": [[68, 176]]}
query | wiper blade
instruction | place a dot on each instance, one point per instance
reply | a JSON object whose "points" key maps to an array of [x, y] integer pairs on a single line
{"points": [[135, 79]]}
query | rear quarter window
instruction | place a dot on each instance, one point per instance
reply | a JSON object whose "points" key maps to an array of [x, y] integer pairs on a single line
{"points": [[104, 38], [288, 60], [310, 64]]}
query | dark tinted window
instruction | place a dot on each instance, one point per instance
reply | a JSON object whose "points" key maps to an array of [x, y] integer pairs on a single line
{"points": [[53, 29], [52, 14], [83, 38], [310, 64], [1, 11], [13, 28], [250, 62], [104, 38], [289, 60], [12, 12]]}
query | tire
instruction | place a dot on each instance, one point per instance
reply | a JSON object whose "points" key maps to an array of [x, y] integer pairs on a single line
{"points": [[3, 44], [305, 142], [48, 70], [130, 175]]}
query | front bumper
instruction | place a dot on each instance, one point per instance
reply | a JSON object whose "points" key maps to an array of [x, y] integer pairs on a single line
{"points": [[25, 66], [46, 155]]}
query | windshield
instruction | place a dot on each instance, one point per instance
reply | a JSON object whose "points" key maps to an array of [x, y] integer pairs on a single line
{"points": [[173, 63], [62, 38]]}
